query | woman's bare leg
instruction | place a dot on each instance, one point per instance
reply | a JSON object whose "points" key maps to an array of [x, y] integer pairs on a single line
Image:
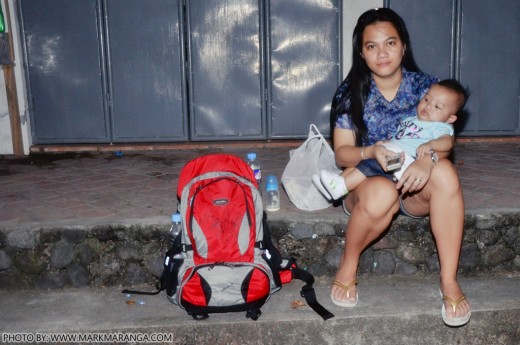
{"points": [[372, 205], [442, 198]]}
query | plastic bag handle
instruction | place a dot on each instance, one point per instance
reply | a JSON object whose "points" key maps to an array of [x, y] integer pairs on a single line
{"points": [[314, 130], [314, 133]]}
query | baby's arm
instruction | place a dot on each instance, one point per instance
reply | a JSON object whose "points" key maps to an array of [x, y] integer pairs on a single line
{"points": [[441, 144]]}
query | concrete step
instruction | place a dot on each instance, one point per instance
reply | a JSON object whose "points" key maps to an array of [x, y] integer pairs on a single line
{"points": [[130, 253], [391, 310]]}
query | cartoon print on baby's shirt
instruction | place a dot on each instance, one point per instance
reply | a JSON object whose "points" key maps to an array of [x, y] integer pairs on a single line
{"points": [[408, 129]]}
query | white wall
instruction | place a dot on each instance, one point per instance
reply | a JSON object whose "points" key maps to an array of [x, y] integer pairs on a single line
{"points": [[351, 11], [6, 145]]}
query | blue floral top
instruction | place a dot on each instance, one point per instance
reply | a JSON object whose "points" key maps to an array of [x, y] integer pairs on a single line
{"points": [[381, 116]]}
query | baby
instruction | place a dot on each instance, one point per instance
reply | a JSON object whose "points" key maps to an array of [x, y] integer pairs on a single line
{"points": [[429, 131]]}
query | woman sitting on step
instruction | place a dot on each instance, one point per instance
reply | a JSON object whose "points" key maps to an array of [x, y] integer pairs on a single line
{"points": [[384, 86]]}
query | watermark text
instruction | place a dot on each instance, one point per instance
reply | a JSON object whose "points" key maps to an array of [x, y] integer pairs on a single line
{"points": [[68, 338]]}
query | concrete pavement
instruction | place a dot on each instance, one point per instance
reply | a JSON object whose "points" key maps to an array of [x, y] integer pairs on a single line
{"points": [[90, 188], [391, 310], [139, 187]]}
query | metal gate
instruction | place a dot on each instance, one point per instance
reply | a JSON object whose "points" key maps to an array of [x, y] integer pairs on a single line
{"points": [[475, 41], [66, 81], [226, 64], [165, 71], [304, 69], [144, 62]]}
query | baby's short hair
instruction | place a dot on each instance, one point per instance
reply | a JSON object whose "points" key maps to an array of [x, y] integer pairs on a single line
{"points": [[455, 86]]}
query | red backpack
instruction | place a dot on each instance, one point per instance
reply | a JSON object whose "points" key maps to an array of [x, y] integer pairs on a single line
{"points": [[227, 260]]}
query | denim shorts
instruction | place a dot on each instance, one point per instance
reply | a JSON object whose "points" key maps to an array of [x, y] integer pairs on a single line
{"points": [[370, 168], [402, 211]]}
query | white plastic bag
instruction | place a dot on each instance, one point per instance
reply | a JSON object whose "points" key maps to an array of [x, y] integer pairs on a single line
{"points": [[308, 159]]}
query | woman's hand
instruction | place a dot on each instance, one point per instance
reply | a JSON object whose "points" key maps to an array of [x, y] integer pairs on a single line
{"points": [[416, 176], [381, 154]]}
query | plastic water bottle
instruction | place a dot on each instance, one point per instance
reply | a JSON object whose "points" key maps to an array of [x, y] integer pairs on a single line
{"points": [[255, 166], [173, 264], [273, 194], [176, 228]]}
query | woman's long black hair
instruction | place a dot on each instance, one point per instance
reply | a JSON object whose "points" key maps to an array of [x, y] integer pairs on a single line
{"points": [[359, 77]]}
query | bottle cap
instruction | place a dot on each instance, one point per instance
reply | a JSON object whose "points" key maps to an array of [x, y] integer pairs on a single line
{"points": [[251, 156], [271, 183], [176, 217]]}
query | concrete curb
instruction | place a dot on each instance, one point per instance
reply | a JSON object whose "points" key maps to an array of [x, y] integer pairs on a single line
{"points": [[131, 252], [391, 310]]}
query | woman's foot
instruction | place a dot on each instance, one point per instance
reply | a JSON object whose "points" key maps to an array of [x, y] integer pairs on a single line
{"points": [[456, 310], [344, 295]]}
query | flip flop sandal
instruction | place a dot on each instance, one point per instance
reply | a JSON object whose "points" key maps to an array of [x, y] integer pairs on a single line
{"points": [[348, 303], [455, 321], [347, 212]]}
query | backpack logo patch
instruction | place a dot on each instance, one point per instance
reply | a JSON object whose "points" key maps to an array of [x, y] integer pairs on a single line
{"points": [[220, 202]]}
